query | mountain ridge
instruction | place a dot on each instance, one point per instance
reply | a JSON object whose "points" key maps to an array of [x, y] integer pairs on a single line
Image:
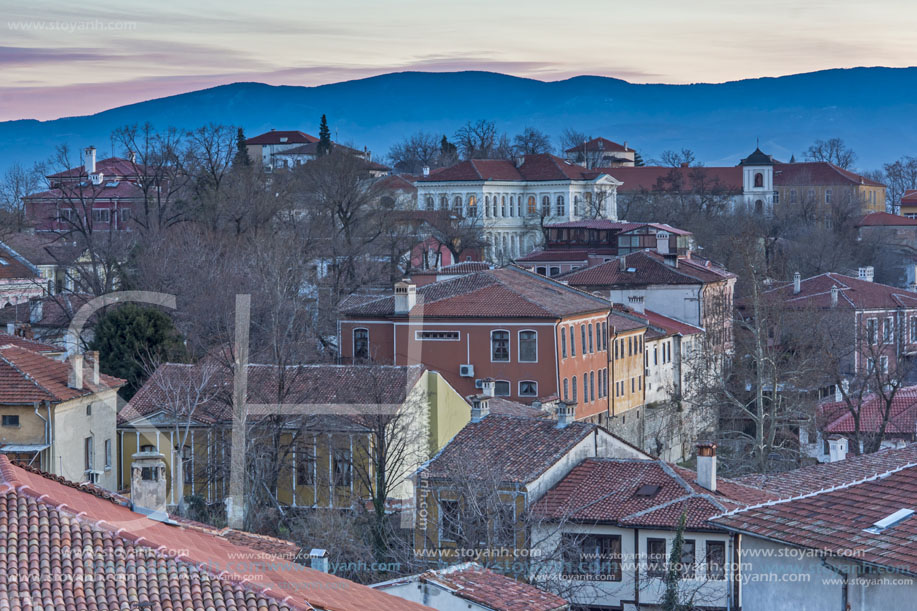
{"points": [[870, 108]]}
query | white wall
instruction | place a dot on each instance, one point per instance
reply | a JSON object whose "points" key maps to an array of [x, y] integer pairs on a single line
{"points": [[430, 595], [681, 302]]}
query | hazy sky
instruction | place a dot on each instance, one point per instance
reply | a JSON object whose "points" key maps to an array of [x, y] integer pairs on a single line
{"points": [[71, 58]]}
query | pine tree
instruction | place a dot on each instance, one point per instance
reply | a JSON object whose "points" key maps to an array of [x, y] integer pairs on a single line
{"points": [[638, 160], [671, 599], [241, 157], [792, 158], [324, 137]]}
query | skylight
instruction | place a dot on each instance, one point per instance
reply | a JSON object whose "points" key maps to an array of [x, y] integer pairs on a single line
{"points": [[648, 490], [888, 522]]}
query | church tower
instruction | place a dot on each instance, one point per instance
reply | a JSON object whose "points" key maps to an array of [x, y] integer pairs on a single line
{"points": [[758, 182]]}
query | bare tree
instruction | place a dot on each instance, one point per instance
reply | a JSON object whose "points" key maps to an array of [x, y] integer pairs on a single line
{"points": [[416, 152], [17, 183], [532, 141], [481, 140], [898, 177], [833, 150], [676, 159]]}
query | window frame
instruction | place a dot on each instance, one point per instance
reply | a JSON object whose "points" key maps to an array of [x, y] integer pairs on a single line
{"points": [[715, 571], [508, 347], [534, 341], [354, 342], [10, 417], [656, 561], [532, 394]]}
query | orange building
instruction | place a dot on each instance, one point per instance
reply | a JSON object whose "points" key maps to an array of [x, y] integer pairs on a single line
{"points": [[535, 337]]}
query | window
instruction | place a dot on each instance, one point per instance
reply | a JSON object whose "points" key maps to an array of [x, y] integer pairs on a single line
{"points": [[101, 215], [716, 560], [501, 388], [89, 409], [457, 204], [591, 344], [827, 196], [561, 207], [503, 206], [655, 557], [591, 385], [630, 346], [555, 271], [361, 343], [532, 208], [10, 420], [616, 350], [107, 454], [545, 206], [577, 208], [792, 196], [528, 347], [450, 520], [759, 180], [305, 467], [776, 197], [887, 332], [563, 341], [872, 336], [187, 465], [428, 202], [512, 205], [574, 389], [87, 453], [572, 343], [528, 388], [341, 467], [499, 346], [149, 474], [687, 559], [504, 525], [443, 202], [913, 329], [582, 332], [125, 215], [870, 364], [598, 335], [472, 206], [442, 336], [811, 195], [65, 215], [883, 363], [566, 388], [595, 555]]}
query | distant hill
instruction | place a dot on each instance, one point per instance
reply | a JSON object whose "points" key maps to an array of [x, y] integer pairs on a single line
{"points": [[873, 109]]}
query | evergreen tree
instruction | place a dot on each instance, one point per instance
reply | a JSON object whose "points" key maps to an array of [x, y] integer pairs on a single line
{"points": [[324, 137], [129, 336], [241, 157], [792, 158], [638, 160], [671, 600]]}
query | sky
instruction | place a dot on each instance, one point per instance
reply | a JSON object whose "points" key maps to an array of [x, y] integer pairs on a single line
{"points": [[67, 58]]}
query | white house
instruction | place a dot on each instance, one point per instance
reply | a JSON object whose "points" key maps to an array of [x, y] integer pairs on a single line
{"points": [[512, 200]]}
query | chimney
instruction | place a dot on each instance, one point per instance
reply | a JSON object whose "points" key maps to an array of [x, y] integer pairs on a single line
{"points": [[797, 283], [636, 303], [837, 448], [480, 407], [866, 273], [912, 276], [90, 161], [148, 481], [36, 307], [318, 559], [671, 259], [834, 292], [706, 466], [488, 387], [11, 328], [565, 411], [132, 156], [75, 379], [405, 296], [93, 357], [426, 170], [662, 242], [625, 146]]}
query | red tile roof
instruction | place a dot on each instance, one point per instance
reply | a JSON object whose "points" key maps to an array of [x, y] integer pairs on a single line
{"points": [[669, 325], [273, 137], [12, 267], [835, 521], [563, 254], [138, 560], [817, 173], [498, 592], [853, 293], [599, 145], [397, 182], [661, 178], [29, 344], [884, 219], [27, 377], [539, 167], [901, 416], [75, 195], [909, 197], [619, 225], [56, 311], [648, 268], [465, 267], [818, 477], [507, 448], [44, 248], [509, 292], [110, 168], [318, 385], [605, 490]]}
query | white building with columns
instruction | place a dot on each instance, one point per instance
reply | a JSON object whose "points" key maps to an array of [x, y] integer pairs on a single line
{"points": [[513, 200]]}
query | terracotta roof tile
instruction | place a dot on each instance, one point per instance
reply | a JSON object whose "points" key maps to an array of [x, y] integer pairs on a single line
{"points": [[27, 377], [853, 293], [884, 219], [274, 137], [599, 144], [901, 416], [62, 537], [13, 267], [498, 592]]}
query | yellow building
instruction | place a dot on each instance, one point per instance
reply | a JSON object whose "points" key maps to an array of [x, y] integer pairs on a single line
{"points": [[317, 445], [626, 358], [825, 191], [59, 416]]}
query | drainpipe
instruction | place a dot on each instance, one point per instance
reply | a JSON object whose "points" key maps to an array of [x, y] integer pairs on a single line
{"points": [[844, 586], [47, 430], [637, 565]]}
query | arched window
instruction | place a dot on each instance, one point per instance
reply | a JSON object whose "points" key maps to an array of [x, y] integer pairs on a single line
{"points": [[572, 343], [759, 207], [512, 204], [759, 179], [361, 343], [457, 204], [561, 206], [429, 202], [591, 386], [563, 344], [503, 207], [472, 206], [577, 208], [532, 206], [487, 206], [545, 206], [574, 389], [591, 345], [443, 203], [566, 390], [499, 346], [587, 199], [582, 329]]}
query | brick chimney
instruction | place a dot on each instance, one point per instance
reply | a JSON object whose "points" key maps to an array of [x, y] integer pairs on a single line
{"points": [[405, 296], [148, 481], [706, 466], [75, 378]]}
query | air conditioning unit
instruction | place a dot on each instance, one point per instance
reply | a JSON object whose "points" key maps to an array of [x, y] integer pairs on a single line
{"points": [[479, 382], [466, 371]]}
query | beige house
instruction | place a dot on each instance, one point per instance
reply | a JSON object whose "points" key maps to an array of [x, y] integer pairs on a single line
{"points": [[59, 416]]}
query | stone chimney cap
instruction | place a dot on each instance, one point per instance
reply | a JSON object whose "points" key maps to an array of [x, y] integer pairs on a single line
{"points": [[706, 448]]}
